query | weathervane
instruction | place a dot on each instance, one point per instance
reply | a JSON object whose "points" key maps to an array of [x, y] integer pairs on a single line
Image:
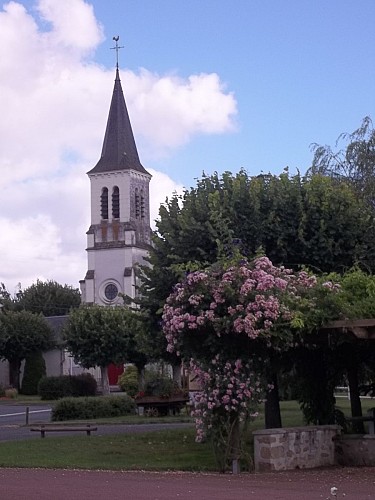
{"points": [[116, 48]]}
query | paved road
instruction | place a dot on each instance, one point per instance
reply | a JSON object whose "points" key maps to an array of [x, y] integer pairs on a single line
{"points": [[13, 419], [39, 484], [16, 414]]}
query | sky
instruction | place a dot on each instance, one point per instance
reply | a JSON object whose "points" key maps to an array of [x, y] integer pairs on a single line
{"points": [[211, 86]]}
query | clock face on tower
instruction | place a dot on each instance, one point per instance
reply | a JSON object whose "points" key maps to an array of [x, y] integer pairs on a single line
{"points": [[111, 291]]}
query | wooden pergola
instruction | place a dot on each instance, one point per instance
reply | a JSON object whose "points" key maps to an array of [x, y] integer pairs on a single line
{"points": [[360, 328]]}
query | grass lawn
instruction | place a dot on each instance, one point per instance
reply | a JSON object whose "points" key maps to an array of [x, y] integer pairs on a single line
{"points": [[161, 450]]}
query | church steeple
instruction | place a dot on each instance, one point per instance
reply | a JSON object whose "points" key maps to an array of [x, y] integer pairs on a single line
{"points": [[119, 236], [119, 149]]}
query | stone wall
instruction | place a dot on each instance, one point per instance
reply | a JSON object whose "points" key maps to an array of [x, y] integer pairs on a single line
{"points": [[295, 447], [354, 449]]}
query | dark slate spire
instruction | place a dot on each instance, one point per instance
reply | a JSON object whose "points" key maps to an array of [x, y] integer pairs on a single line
{"points": [[119, 149]]}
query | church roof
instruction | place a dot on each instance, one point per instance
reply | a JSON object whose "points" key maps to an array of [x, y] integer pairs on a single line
{"points": [[119, 149]]}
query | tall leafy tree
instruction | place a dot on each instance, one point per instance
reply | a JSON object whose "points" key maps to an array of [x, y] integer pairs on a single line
{"points": [[49, 298], [99, 336], [46, 297], [352, 159], [21, 334], [311, 221]]}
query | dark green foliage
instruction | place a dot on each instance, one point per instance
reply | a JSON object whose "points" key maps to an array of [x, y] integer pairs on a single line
{"points": [[35, 369], [317, 375], [6, 299], [98, 336], [2, 391], [54, 387], [356, 299], [311, 221], [90, 408], [66, 386], [128, 381], [84, 385], [22, 333], [159, 385], [49, 298]]}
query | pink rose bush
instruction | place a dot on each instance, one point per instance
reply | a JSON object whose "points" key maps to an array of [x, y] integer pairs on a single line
{"points": [[250, 299], [228, 389], [223, 320]]}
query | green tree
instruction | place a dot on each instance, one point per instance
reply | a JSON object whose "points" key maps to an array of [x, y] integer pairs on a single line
{"points": [[311, 221], [35, 369], [99, 336], [22, 333], [352, 159], [49, 298]]}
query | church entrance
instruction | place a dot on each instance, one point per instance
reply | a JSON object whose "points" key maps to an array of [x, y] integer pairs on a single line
{"points": [[114, 371]]}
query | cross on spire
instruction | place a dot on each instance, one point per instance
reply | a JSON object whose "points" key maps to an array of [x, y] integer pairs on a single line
{"points": [[116, 48]]}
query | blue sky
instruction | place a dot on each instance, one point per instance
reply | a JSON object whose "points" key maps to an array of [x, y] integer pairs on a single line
{"points": [[301, 71], [210, 86]]}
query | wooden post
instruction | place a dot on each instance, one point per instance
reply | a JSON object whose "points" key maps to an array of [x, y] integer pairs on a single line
{"points": [[371, 424]]}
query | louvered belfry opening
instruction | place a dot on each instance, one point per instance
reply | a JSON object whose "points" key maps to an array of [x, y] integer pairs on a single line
{"points": [[104, 203], [116, 203]]}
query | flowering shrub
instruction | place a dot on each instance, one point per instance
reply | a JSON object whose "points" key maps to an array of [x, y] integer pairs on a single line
{"points": [[227, 389], [250, 300], [226, 318]]}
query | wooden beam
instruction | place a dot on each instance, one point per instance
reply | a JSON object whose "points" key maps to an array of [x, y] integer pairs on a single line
{"points": [[361, 328]]}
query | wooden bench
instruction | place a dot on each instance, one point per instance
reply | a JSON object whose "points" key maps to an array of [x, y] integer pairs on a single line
{"points": [[63, 428]]}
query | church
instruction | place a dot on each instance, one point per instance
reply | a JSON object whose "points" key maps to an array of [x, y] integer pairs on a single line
{"points": [[119, 235]]}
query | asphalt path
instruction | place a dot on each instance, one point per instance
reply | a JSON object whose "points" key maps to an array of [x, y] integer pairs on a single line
{"points": [[13, 424], [16, 414]]}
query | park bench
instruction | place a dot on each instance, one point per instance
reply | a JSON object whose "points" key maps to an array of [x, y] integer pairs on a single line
{"points": [[63, 428], [370, 417]]}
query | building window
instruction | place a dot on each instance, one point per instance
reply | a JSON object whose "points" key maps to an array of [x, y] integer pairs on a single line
{"points": [[111, 291], [142, 205], [137, 204], [116, 203], [104, 203]]}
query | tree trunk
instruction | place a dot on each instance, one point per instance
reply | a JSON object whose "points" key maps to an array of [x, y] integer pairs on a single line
{"points": [[272, 414], [235, 446], [177, 374], [14, 373], [141, 373], [355, 400], [141, 377], [105, 381]]}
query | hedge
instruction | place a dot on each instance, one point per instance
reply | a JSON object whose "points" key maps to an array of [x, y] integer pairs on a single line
{"points": [[95, 407], [67, 386]]}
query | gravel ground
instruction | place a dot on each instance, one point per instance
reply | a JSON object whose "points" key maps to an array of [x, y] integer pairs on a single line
{"points": [[45, 484]]}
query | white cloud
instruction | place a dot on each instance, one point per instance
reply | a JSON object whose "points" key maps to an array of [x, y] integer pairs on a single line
{"points": [[185, 107], [55, 102], [73, 23], [161, 187]]}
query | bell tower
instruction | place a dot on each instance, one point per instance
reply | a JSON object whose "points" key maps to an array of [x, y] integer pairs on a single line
{"points": [[119, 235]]}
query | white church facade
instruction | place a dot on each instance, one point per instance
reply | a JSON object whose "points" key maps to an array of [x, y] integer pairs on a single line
{"points": [[118, 239]]}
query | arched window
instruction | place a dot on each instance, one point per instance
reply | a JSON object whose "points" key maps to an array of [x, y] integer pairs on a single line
{"points": [[137, 204], [104, 203], [116, 203]]}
